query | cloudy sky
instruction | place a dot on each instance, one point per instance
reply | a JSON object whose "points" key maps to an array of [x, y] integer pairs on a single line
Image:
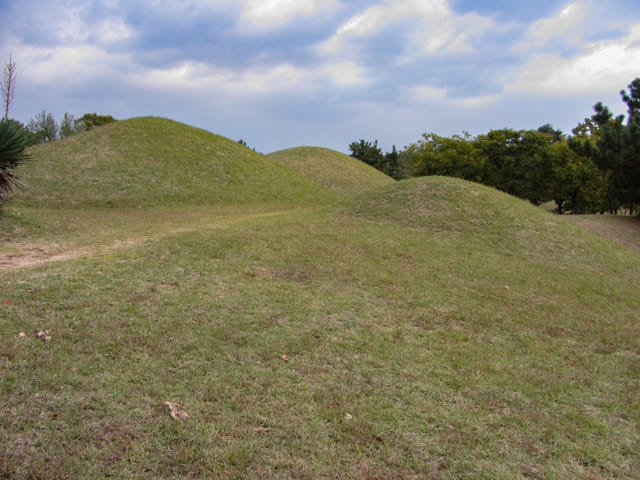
{"points": [[283, 73]]}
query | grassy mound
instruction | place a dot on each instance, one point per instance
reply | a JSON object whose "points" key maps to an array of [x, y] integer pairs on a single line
{"points": [[431, 329], [154, 161], [336, 171]]}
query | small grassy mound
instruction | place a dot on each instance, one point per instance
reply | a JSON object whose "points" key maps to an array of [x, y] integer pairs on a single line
{"points": [[339, 172], [439, 203], [151, 161]]}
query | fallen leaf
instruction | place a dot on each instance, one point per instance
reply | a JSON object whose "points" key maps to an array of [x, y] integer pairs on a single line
{"points": [[506, 287], [284, 357], [6, 302], [43, 334], [348, 416], [530, 471], [22, 335], [261, 429], [176, 410]]}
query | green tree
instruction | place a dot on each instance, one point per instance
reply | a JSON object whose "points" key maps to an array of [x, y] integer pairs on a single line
{"points": [[91, 120], [556, 134], [453, 156], [630, 153], [574, 181], [13, 142], [42, 128], [368, 153], [69, 126], [515, 162]]}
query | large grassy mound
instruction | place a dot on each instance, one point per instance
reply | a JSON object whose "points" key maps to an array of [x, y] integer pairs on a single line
{"points": [[336, 171], [433, 328], [154, 161]]}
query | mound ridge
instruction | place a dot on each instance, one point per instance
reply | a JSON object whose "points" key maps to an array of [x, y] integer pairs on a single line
{"points": [[334, 170], [444, 205], [156, 161]]}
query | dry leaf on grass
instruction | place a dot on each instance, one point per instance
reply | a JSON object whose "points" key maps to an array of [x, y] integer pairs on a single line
{"points": [[261, 429], [22, 335], [177, 410], [43, 334], [285, 358]]}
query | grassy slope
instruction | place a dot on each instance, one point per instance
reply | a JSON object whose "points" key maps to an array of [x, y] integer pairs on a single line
{"points": [[150, 161], [466, 334], [336, 171]]}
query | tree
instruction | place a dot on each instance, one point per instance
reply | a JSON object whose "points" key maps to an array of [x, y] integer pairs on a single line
{"points": [[515, 162], [91, 120], [8, 86], [574, 180], [368, 153], [69, 126], [556, 134], [13, 142], [453, 156], [43, 128], [630, 152], [391, 164]]}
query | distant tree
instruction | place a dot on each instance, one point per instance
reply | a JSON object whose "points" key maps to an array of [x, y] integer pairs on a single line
{"points": [[556, 134], [13, 142], [630, 154], [574, 180], [91, 120], [42, 128], [391, 164], [69, 126], [368, 153], [453, 156], [8, 85], [514, 161]]}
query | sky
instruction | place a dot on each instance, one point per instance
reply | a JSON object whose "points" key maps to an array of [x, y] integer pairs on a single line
{"points": [[285, 73]]}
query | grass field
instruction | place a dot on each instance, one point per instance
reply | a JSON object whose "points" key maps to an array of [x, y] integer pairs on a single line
{"points": [[430, 328]]}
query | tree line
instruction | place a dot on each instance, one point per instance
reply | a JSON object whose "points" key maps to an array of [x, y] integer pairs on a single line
{"points": [[596, 169]]}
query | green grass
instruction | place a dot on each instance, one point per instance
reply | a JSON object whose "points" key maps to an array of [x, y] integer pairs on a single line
{"points": [[432, 328], [334, 170], [151, 161]]}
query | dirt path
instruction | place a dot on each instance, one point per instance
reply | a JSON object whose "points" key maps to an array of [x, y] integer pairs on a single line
{"points": [[624, 230], [24, 254]]}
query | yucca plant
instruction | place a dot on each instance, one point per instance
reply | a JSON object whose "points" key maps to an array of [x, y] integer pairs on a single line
{"points": [[13, 143]]}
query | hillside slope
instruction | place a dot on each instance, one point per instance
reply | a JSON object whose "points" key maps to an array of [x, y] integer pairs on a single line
{"points": [[339, 172], [154, 161], [432, 328]]}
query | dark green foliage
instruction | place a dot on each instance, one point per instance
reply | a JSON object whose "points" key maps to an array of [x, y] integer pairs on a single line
{"points": [[556, 134], [574, 181], [368, 153], [13, 142], [91, 120], [453, 156], [615, 149]]}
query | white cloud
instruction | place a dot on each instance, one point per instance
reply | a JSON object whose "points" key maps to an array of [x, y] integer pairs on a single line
{"points": [[113, 30], [429, 25], [69, 66], [602, 67], [200, 78], [429, 94], [272, 13], [564, 24], [565, 20], [71, 27]]}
